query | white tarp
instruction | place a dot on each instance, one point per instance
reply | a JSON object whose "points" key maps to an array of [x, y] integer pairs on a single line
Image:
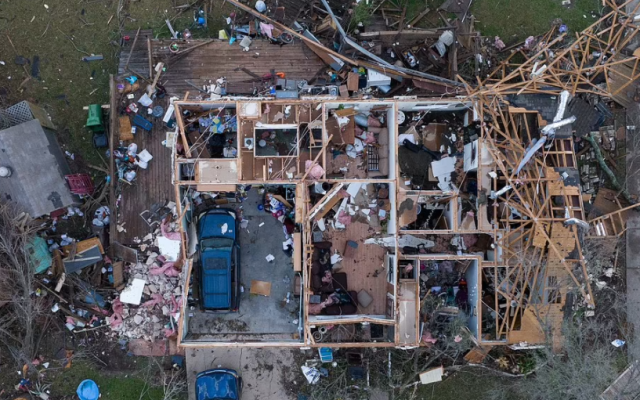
{"points": [[536, 146]]}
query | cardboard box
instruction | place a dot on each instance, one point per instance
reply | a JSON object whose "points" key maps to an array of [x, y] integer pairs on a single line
{"points": [[432, 136]]}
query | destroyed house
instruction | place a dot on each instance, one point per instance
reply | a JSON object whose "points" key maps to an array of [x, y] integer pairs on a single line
{"points": [[381, 222]]}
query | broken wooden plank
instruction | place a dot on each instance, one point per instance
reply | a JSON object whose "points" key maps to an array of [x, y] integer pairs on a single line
{"points": [[133, 47], [419, 17], [150, 58]]}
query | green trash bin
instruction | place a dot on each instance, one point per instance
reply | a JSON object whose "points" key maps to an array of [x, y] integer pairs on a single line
{"points": [[94, 120]]}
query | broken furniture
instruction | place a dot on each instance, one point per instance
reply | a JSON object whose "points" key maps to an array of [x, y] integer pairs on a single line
{"points": [[156, 214]]}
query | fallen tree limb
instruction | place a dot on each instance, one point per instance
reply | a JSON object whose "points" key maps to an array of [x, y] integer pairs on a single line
{"points": [[603, 164]]}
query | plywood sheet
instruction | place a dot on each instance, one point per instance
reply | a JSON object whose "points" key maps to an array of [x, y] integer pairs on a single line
{"points": [[217, 171], [84, 245], [215, 188], [125, 128], [330, 204], [297, 252], [261, 288], [530, 330], [539, 240]]}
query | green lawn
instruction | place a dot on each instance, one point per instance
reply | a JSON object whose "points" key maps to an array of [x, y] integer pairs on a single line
{"points": [[60, 34], [113, 385], [471, 383], [516, 19], [513, 19]]}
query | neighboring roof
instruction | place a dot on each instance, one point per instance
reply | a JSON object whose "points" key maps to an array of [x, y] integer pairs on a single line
{"points": [[586, 116], [38, 168], [547, 106]]}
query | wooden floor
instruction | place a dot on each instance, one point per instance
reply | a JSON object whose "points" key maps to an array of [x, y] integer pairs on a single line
{"points": [[365, 270], [151, 186], [139, 61], [217, 59]]}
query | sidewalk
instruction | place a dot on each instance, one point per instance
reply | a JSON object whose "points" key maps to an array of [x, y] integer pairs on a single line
{"points": [[633, 255]]}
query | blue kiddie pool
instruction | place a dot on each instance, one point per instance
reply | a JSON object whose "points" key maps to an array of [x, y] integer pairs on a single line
{"points": [[88, 390]]}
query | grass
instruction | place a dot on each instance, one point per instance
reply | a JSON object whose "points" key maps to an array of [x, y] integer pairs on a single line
{"points": [[431, 20], [113, 386], [65, 84], [467, 384], [59, 36], [515, 20]]}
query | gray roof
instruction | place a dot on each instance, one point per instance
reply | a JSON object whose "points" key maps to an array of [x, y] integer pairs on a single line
{"points": [[547, 106], [38, 168]]}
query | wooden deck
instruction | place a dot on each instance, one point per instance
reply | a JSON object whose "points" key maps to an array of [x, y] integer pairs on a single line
{"points": [[200, 66], [151, 186], [217, 59]]}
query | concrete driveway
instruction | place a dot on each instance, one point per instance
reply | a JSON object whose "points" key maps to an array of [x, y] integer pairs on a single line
{"points": [[262, 370]]}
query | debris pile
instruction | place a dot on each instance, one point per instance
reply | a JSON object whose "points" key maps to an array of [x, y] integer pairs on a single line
{"points": [[149, 306], [344, 204]]}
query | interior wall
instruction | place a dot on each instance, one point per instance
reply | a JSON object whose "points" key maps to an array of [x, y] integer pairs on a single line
{"points": [[391, 226], [392, 126], [342, 319], [359, 106], [448, 214], [434, 106], [207, 106], [471, 276], [185, 308]]}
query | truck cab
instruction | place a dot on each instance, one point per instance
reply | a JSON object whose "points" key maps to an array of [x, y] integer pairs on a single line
{"points": [[218, 260]]}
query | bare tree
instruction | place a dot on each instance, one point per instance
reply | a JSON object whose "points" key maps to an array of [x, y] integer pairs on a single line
{"points": [[397, 370], [22, 314], [588, 363], [174, 383]]}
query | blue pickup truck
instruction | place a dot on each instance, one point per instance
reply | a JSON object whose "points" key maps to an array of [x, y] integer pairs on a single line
{"points": [[219, 260], [218, 384]]}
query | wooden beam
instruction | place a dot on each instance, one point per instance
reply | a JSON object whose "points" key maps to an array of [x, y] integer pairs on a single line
{"points": [[133, 47], [113, 126], [150, 58], [185, 144], [419, 17], [315, 160], [152, 88]]}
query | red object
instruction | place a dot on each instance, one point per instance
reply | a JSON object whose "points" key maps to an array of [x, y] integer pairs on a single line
{"points": [[58, 213], [80, 184]]}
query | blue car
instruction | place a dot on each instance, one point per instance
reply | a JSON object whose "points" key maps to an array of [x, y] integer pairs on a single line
{"points": [[219, 260], [218, 384]]}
